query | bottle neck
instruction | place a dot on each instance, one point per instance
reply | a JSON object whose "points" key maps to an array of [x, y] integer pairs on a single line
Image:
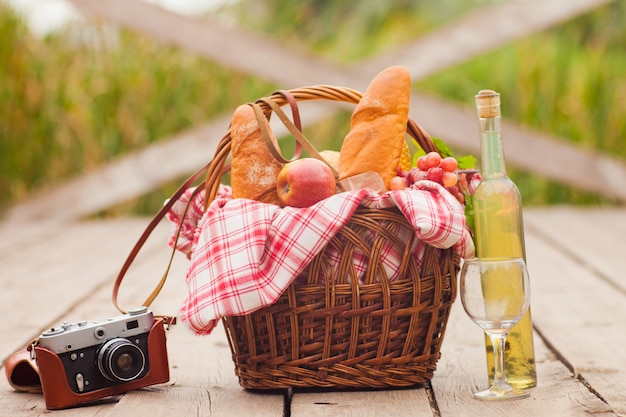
{"points": [[492, 150]]}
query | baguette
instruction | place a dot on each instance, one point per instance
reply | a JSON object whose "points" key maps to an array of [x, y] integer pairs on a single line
{"points": [[378, 127], [253, 168]]}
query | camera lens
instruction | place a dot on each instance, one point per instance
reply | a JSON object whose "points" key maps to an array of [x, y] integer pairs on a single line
{"points": [[120, 360]]}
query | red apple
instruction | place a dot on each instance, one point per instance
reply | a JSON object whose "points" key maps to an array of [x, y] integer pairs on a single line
{"points": [[304, 182]]}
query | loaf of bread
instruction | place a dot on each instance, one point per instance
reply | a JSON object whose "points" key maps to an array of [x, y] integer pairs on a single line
{"points": [[378, 127], [253, 168]]}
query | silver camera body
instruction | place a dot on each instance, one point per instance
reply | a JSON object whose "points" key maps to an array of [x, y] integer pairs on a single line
{"points": [[75, 336], [103, 353]]}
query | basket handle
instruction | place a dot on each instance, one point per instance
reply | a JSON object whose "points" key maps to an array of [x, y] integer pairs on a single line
{"points": [[295, 128], [301, 140]]}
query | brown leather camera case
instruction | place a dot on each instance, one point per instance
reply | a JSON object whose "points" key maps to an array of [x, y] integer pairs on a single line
{"points": [[58, 394]]}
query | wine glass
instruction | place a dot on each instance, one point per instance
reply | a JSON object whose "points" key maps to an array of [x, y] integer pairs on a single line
{"points": [[495, 294]]}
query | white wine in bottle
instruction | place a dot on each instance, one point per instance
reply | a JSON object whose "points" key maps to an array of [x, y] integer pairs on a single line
{"points": [[499, 232]]}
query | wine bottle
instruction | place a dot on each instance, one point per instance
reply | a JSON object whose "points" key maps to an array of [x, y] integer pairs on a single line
{"points": [[499, 232]]}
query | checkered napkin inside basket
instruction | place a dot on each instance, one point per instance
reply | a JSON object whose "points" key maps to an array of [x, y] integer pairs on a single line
{"points": [[244, 254]]}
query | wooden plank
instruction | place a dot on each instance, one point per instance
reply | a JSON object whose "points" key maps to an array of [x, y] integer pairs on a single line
{"points": [[579, 313], [203, 379], [17, 236], [453, 44], [42, 281], [233, 47], [483, 30], [462, 371], [124, 178], [597, 243], [396, 403], [181, 154]]}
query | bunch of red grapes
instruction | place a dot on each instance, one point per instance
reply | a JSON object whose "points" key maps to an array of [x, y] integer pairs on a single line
{"points": [[443, 171]]}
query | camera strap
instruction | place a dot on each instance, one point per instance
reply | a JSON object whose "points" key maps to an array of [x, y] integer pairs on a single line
{"points": [[169, 320], [295, 128]]}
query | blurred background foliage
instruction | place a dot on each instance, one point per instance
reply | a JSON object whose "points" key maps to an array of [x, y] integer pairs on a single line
{"points": [[76, 99]]}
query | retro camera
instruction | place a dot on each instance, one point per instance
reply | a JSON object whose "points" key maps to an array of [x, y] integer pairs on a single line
{"points": [[86, 361]]}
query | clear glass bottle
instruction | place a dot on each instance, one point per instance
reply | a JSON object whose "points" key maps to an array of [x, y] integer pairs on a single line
{"points": [[499, 232]]}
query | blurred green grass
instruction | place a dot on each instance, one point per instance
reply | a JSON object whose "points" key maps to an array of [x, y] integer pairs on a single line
{"points": [[77, 99]]}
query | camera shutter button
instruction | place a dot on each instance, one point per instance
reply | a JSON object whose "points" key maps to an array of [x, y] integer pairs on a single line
{"points": [[135, 311], [100, 333]]}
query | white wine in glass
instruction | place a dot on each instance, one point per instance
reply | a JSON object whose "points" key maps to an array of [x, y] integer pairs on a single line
{"points": [[495, 294]]}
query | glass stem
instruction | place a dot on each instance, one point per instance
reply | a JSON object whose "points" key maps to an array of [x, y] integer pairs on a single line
{"points": [[498, 340]]}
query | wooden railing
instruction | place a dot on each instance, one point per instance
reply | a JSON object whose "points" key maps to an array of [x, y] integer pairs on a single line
{"points": [[266, 58]]}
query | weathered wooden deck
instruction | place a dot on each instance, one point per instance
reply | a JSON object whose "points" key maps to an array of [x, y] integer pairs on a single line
{"points": [[63, 272], [55, 268]]}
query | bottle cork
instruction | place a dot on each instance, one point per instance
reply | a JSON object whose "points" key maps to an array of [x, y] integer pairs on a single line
{"points": [[488, 104]]}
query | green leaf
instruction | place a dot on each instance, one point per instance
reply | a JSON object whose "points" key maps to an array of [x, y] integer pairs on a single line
{"points": [[467, 162], [443, 149]]}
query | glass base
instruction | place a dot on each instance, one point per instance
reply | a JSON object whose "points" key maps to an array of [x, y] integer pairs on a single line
{"points": [[496, 394]]}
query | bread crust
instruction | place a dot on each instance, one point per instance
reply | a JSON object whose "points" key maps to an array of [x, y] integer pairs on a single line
{"points": [[378, 127], [253, 168]]}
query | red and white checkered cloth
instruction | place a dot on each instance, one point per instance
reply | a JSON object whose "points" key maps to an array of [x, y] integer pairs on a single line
{"points": [[244, 253]]}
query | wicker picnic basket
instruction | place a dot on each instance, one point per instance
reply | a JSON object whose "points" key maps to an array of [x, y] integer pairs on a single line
{"points": [[343, 333]]}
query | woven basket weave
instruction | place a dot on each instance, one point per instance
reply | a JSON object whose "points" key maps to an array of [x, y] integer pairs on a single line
{"points": [[331, 331]]}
